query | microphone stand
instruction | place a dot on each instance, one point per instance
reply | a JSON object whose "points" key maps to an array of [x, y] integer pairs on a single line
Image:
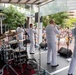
{"points": [[68, 59], [35, 39], [40, 72], [58, 41], [67, 44]]}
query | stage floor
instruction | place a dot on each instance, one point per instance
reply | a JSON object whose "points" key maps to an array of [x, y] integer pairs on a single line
{"points": [[62, 69]]}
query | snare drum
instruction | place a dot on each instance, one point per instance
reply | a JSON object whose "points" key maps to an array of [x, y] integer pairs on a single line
{"points": [[13, 44]]}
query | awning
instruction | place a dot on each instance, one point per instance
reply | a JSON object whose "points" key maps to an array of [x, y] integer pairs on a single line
{"points": [[34, 2]]}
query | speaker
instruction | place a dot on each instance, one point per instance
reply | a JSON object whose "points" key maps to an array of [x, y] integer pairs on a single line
{"points": [[43, 45], [65, 52], [36, 17]]}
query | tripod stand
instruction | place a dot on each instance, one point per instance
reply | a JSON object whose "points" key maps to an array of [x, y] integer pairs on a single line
{"points": [[7, 65]]}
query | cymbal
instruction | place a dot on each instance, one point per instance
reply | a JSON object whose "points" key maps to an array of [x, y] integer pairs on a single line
{"points": [[11, 34], [6, 35], [9, 31], [3, 36]]}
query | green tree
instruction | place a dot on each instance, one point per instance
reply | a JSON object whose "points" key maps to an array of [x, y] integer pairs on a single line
{"points": [[70, 22], [60, 18], [13, 17]]}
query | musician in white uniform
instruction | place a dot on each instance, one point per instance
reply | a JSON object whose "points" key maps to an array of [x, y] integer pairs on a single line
{"points": [[73, 61], [20, 36], [31, 33], [51, 31]]}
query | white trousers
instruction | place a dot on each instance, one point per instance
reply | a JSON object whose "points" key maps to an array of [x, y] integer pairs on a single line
{"points": [[52, 53], [72, 64], [21, 45], [32, 47]]}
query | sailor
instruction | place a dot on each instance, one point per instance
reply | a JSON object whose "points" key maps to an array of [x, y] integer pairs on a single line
{"points": [[31, 33], [73, 61], [51, 31], [20, 36]]}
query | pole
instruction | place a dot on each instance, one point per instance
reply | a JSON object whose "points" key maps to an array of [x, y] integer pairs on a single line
{"points": [[1, 27], [31, 13], [38, 21]]}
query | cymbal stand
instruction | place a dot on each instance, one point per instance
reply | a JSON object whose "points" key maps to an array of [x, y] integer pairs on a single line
{"points": [[25, 44], [7, 65], [20, 61]]}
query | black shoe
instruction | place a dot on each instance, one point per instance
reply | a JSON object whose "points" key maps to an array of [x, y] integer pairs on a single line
{"points": [[48, 63], [54, 65], [32, 53], [70, 74]]}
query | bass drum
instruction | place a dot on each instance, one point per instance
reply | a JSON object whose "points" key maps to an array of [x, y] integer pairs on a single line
{"points": [[2, 62], [6, 55]]}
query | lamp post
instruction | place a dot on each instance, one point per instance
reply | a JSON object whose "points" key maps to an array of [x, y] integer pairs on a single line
{"points": [[2, 17]]}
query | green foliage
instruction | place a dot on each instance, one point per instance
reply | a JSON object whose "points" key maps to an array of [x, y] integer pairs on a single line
{"points": [[59, 18], [70, 22], [13, 17]]}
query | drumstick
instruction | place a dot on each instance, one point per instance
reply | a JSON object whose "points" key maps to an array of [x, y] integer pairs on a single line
{"points": [[20, 40]]}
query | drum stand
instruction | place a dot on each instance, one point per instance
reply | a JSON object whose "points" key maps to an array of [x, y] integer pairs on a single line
{"points": [[20, 62], [25, 45], [7, 65]]}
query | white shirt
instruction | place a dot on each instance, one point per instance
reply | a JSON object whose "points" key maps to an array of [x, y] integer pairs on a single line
{"points": [[51, 32], [20, 32]]}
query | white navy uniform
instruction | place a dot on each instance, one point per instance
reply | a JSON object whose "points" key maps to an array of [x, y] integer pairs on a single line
{"points": [[20, 35], [51, 32], [31, 33], [73, 61]]}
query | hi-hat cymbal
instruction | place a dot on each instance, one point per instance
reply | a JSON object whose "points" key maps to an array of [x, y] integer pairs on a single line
{"points": [[2, 36], [10, 33]]}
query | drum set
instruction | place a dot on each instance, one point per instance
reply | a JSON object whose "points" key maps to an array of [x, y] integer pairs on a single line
{"points": [[11, 55]]}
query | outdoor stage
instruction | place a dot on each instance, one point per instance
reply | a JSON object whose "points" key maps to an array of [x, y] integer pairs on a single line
{"points": [[62, 69]]}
